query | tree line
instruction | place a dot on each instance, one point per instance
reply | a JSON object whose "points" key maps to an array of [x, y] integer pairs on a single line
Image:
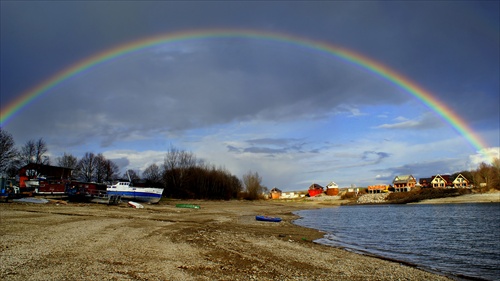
{"points": [[181, 175]]}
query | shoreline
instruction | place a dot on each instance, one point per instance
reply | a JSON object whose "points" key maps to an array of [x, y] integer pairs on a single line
{"points": [[220, 241], [488, 197]]}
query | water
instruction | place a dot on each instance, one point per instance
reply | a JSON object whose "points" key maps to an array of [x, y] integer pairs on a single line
{"points": [[461, 240]]}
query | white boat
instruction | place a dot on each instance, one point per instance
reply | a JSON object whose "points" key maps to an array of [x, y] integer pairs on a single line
{"points": [[135, 205], [125, 190], [35, 183]]}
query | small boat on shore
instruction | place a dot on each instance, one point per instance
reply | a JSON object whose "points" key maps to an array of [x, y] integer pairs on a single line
{"points": [[190, 206], [266, 218], [135, 205]]}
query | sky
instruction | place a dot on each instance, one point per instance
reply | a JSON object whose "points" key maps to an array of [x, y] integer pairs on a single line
{"points": [[289, 111]]}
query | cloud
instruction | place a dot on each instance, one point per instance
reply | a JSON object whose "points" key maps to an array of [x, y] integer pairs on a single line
{"points": [[484, 156], [205, 83], [426, 121], [265, 150], [269, 146], [294, 113], [135, 160], [374, 157], [351, 110]]}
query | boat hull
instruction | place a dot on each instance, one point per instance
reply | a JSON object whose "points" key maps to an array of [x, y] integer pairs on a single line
{"points": [[266, 218], [148, 195], [135, 205]]}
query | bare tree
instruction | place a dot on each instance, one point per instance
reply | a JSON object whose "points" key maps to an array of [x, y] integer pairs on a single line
{"points": [[27, 154], [67, 161], [111, 170], [252, 182], [8, 153], [133, 175], [100, 167], [176, 165], [33, 152], [179, 159], [495, 174], [152, 174], [41, 149], [488, 176], [87, 167]]}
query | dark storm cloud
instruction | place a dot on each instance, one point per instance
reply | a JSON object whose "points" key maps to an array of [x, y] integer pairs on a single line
{"points": [[187, 86], [202, 84], [272, 146]]}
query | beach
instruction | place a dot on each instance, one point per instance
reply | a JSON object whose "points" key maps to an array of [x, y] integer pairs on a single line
{"points": [[488, 197], [220, 241]]}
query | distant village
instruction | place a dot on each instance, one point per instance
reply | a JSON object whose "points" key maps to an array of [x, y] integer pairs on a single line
{"points": [[402, 183], [57, 181]]}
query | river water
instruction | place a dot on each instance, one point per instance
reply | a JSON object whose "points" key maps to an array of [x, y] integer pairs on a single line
{"points": [[458, 240]]}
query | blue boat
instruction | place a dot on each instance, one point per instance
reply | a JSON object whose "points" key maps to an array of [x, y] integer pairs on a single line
{"points": [[266, 218]]}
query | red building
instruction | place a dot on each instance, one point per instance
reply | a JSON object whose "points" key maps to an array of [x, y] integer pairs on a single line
{"points": [[33, 172], [315, 189]]}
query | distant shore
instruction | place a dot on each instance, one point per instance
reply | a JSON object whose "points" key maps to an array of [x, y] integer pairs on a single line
{"points": [[379, 198], [489, 197]]}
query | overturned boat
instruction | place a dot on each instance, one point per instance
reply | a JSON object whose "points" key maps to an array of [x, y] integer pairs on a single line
{"points": [[266, 218]]}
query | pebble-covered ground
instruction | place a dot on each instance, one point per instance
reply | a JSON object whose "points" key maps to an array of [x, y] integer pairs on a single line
{"points": [[220, 241]]}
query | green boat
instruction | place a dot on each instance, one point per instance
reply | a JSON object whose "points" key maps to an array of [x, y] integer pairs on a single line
{"points": [[190, 206]]}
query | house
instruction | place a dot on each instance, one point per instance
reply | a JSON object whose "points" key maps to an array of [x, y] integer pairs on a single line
{"points": [[32, 172], [425, 182], [332, 189], [404, 183], [441, 181], [293, 194], [461, 182], [315, 189], [378, 188], [275, 193]]}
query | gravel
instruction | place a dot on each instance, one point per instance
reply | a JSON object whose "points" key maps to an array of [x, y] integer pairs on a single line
{"points": [[220, 241]]}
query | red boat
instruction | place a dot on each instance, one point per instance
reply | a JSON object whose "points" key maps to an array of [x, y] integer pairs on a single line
{"points": [[315, 189], [87, 192]]}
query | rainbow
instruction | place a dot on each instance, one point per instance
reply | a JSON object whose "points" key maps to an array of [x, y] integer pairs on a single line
{"points": [[9, 111]]}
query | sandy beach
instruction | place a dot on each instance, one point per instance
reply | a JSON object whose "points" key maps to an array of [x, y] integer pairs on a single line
{"points": [[220, 241], [489, 197]]}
